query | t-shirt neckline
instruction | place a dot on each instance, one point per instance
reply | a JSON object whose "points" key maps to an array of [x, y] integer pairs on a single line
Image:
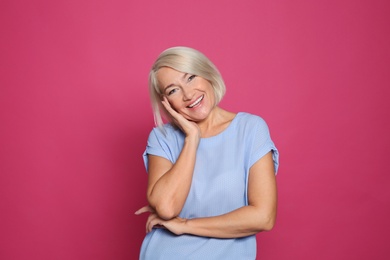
{"points": [[231, 124]]}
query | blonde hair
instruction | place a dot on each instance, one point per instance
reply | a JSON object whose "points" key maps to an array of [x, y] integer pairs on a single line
{"points": [[185, 60]]}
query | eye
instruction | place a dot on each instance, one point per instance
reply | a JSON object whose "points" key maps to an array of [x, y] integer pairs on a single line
{"points": [[172, 91], [190, 78]]}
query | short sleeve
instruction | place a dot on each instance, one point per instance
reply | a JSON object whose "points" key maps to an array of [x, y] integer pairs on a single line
{"points": [[156, 145], [262, 144]]}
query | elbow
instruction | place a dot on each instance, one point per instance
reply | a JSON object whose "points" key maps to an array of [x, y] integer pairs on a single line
{"points": [[164, 210], [268, 224], [265, 223]]}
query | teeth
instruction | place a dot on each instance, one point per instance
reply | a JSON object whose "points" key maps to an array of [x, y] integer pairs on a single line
{"points": [[196, 102]]}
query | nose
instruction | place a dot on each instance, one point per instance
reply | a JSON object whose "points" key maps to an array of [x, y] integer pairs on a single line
{"points": [[188, 94]]}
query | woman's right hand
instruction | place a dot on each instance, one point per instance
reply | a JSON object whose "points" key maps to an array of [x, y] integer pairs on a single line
{"points": [[190, 129]]}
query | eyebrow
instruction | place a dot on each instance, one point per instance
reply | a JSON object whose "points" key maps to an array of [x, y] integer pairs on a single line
{"points": [[172, 84]]}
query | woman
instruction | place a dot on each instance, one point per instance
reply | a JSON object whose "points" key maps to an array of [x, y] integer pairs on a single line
{"points": [[211, 184]]}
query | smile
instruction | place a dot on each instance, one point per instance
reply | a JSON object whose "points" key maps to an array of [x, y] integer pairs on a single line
{"points": [[196, 102]]}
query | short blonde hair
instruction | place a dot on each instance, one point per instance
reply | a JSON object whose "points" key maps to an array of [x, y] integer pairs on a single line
{"points": [[185, 60]]}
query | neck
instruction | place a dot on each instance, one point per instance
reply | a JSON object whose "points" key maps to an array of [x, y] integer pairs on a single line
{"points": [[216, 122]]}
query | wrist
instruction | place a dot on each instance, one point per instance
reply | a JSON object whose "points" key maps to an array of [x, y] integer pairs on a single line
{"points": [[192, 139], [186, 226]]}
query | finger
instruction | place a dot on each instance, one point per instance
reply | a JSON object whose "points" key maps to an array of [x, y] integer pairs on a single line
{"points": [[184, 124], [143, 210], [151, 217], [153, 221], [168, 107], [177, 117]]}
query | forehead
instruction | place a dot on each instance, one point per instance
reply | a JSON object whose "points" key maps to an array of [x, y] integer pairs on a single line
{"points": [[168, 75]]}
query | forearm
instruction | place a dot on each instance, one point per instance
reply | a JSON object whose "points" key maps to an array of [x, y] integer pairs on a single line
{"points": [[258, 216], [242, 222], [168, 195]]}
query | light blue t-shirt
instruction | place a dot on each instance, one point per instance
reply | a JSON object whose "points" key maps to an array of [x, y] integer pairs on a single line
{"points": [[219, 185]]}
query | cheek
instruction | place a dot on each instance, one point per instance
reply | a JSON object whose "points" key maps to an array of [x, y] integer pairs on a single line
{"points": [[212, 96], [173, 103]]}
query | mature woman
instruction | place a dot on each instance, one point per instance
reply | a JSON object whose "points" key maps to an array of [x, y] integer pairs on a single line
{"points": [[211, 183]]}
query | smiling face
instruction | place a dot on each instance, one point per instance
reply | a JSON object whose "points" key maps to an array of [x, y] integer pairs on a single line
{"points": [[190, 95]]}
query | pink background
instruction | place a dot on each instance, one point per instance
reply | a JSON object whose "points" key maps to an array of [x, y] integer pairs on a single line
{"points": [[75, 116]]}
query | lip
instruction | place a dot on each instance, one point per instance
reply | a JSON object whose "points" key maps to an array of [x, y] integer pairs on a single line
{"points": [[196, 102]]}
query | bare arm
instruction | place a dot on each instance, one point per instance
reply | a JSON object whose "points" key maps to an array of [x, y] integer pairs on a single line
{"points": [[258, 216], [169, 184]]}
